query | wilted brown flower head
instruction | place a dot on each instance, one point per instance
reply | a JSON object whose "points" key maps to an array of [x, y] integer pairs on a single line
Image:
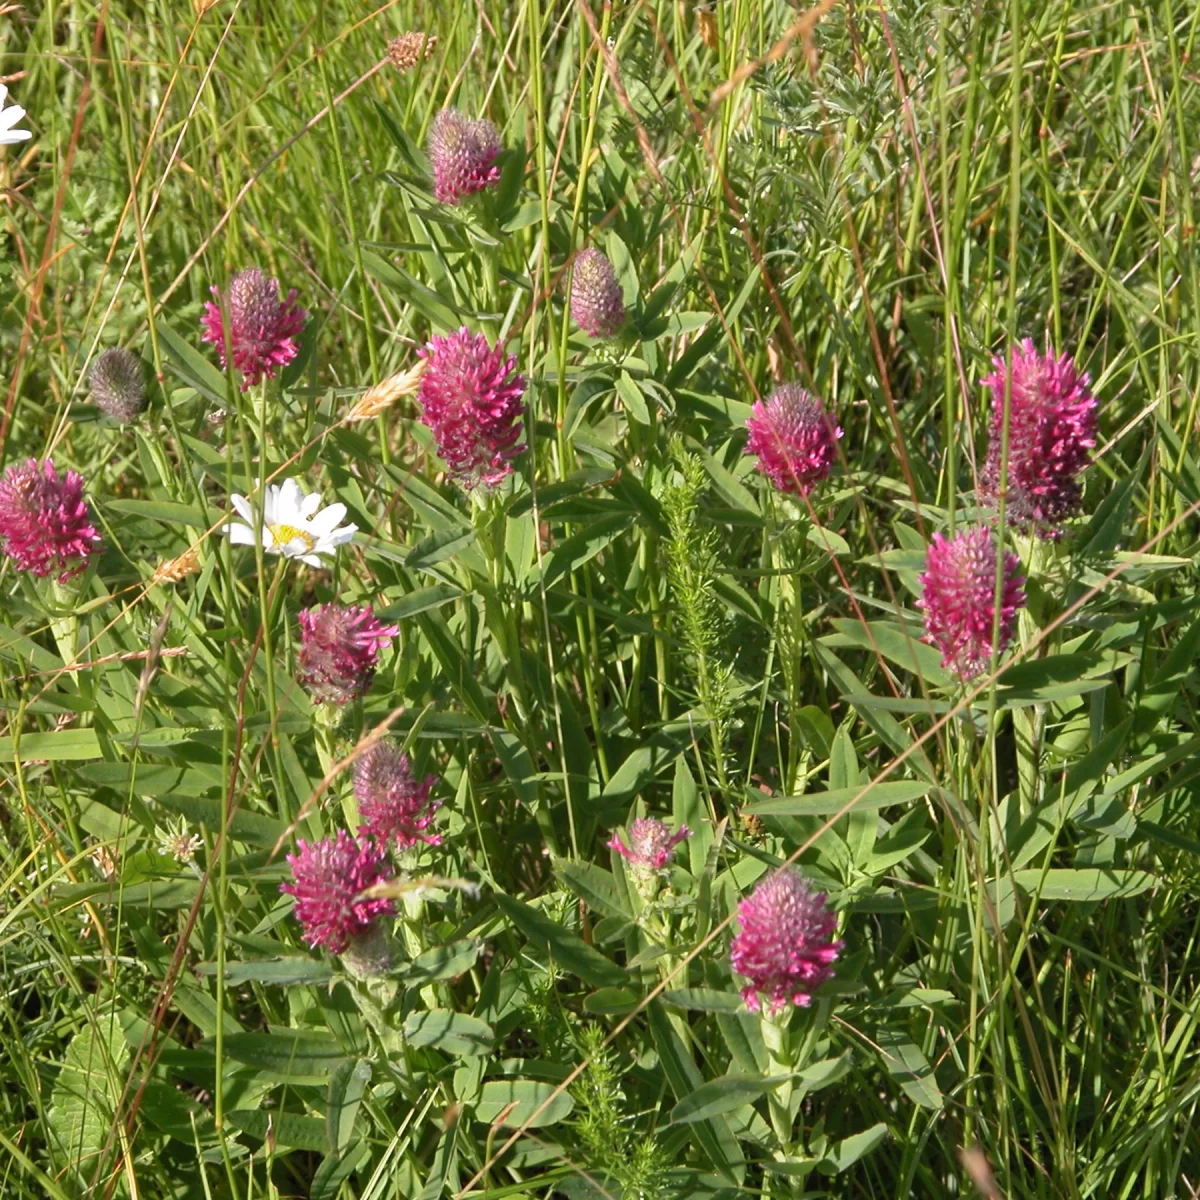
{"points": [[409, 49]]}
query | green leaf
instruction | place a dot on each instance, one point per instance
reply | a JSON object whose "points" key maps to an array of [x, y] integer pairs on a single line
{"points": [[192, 367], [444, 313], [178, 892], [440, 962], [153, 779], [596, 886], [518, 766], [726, 483], [704, 999], [459, 673], [336, 1170], [175, 1113], [849, 1150], [873, 796], [246, 826], [574, 551], [418, 601], [286, 1130], [632, 398], [688, 809], [894, 641], [287, 1055], [1084, 883], [828, 1071], [436, 548], [15, 647], [643, 764], [817, 728], [451, 1032], [683, 1076], [566, 949], [722, 1095], [825, 539], [86, 1093], [524, 1102], [59, 745], [279, 972], [904, 1062], [165, 511], [887, 727], [611, 1002]]}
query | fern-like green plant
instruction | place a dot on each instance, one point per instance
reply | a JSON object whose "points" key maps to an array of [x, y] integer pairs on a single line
{"points": [[693, 570]]}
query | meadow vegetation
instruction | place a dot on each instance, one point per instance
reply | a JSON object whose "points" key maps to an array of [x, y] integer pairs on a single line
{"points": [[614, 609]]}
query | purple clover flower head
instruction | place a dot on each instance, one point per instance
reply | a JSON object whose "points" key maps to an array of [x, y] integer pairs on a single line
{"points": [[393, 805], [339, 647], [463, 154], [262, 328], [45, 523], [651, 843], [1051, 428], [785, 945], [471, 400], [118, 384], [329, 879], [596, 301], [958, 594], [794, 437]]}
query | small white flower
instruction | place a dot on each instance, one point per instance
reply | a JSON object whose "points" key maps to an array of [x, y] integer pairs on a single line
{"points": [[9, 116], [176, 841], [294, 524]]}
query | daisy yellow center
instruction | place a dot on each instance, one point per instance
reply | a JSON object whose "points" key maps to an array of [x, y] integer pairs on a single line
{"points": [[284, 535]]}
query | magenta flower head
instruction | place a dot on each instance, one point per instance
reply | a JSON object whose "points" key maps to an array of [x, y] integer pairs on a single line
{"points": [[45, 523], [471, 400], [329, 879], [651, 843], [596, 301], [393, 805], [463, 154], [339, 647], [262, 328], [785, 945], [794, 437], [958, 597], [1051, 428]]}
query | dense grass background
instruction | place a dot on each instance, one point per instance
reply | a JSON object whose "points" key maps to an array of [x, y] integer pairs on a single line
{"points": [[869, 202]]}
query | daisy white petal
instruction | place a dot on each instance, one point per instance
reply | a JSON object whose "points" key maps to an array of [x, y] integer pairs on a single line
{"points": [[327, 519], [239, 534], [242, 507], [291, 498], [9, 116], [272, 507], [338, 537]]}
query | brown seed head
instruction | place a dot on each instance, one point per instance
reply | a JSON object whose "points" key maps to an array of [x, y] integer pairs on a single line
{"points": [[175, 569], [410, 48], [383, 395]]}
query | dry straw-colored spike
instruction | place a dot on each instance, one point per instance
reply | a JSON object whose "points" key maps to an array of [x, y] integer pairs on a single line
{"points": [[383, 395], [409, 49], [175, 569], [202, 6]]}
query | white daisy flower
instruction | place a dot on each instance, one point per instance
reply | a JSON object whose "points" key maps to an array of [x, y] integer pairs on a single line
{"points": [[294, 524], [9, 135]]}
